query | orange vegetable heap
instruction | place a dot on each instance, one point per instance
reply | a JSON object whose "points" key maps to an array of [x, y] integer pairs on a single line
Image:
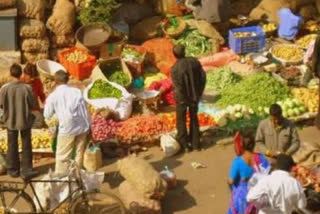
{"points": [[307, 177], [141, 129], [204, 120]]}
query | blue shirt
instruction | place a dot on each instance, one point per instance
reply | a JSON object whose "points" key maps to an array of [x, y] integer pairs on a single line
{"points": [[289, 24], [240, 170]]}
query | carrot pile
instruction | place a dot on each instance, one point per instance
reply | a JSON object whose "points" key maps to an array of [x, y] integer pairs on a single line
{"points": [[204, 120], [141, 129]]}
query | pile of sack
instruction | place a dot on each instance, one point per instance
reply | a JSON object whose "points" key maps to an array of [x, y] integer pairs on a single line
{"points": [[61, 25], [143, 188]]}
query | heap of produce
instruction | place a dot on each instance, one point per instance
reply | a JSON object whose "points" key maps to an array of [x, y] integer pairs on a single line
{"points": [[170, 120], [290, 73], [171, 24], [141, 129], [195, 43], [150, 77], [233, 113], [97, 11], [309, 97], [307, 177], [269, 27], [103, 129], [41, 140], [258, 90], [221, 78], [288, 52], [292, 108], [131, 55], [118, 76], [76, 57], [244, 34], [306, 40], [103, 89], [312, 26]]}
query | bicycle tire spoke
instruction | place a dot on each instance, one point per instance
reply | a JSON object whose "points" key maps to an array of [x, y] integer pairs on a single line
{"points": [[14, 201]]}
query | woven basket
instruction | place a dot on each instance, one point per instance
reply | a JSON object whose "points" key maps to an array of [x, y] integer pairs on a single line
{"points": [[178, 31]]}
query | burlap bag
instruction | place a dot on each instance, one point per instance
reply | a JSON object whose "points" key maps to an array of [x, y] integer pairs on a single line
{"points": [[62, 20], [135, 202], [31, 28], [308, 12], [92, 158], [7, 3], [35, 45], [142, 175], [146, 29], [33, 57], [33, 9], [308, 155], [269, 8], [63, 41]]}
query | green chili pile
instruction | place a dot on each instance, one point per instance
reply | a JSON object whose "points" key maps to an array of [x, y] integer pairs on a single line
{"points": [[102, 89], [221, 78]]}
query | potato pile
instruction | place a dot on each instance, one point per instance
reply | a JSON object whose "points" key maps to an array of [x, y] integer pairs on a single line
{"points": [[309, 97], [77, 57], [288, 52], [41, 140], [306, 40]]}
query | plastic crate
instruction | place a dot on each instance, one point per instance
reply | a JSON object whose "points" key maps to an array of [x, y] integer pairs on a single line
{"points": [[78, 71], [250, 44]]}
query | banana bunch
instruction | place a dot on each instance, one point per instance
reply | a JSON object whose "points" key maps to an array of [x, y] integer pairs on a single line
{"points": [[41, 140], [309, 97], [286, 52]]}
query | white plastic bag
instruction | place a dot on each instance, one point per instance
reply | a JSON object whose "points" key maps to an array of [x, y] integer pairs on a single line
{"points": [[122, 106], [169, 145]]}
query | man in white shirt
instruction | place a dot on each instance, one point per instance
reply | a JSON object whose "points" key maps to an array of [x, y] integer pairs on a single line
{"points": [[74, 121], [279, 192]]}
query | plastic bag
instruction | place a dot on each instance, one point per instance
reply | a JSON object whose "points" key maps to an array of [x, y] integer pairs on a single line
{"points": [[218, 59], [122, 106], [92, 159], [169, 145], [169, 176]]}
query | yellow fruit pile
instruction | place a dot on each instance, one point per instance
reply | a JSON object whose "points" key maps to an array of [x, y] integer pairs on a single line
{"points": [[312, 26], [288, 52], [41, 140], [306, 40], [309, 97], [269, 27]]}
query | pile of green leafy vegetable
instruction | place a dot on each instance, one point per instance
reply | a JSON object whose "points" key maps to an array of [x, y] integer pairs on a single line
{"points": [[97, 11], [195, 43], [129, 53], [118, 76], [102, 89], [221, 78], [258, 90]]}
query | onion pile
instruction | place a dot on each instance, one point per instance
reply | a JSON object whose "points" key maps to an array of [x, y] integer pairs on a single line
{"points": [[307, 177], [103, 129]]}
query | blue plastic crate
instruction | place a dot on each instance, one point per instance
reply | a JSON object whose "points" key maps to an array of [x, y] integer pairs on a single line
{"points": [[250, 44]]}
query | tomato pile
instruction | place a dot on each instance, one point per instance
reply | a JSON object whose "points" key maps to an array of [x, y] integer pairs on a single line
{"points": [[141, 129], [103, 129], [204, 120]]}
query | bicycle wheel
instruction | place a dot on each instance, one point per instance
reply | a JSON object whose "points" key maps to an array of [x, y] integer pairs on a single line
{"points": [[15, 201], [97, 203]]}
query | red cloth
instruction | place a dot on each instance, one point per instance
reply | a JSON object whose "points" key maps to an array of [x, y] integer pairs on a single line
{"points": [[37, 88], [166, 86]]}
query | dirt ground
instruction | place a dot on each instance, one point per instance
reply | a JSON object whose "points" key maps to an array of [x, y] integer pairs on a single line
{"points": [[199, 190]]}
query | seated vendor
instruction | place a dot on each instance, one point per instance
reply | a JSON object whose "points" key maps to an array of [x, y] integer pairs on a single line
{"points": [[277, 135]]}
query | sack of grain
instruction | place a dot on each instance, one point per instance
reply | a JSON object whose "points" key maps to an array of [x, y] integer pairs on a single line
{"points": [[62, 20], [64, 41], [33, 9], [35, 45], [7, 3], [135, 202], [146, 29], [31, 28], [33, 57], [142, 175], [269, 8]]}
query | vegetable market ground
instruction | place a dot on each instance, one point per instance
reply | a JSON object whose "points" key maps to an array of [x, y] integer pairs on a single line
{"points": [[199, 191]]}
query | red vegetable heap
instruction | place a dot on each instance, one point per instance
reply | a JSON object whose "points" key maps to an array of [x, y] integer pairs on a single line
{"points": [[307, 177], [141, 129], [204, 120], [103, 129]]}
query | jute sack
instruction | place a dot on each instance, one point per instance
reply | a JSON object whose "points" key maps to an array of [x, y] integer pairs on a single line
{"points": [[143, 177], [146, 29], [62, 20], [35, 45], [135, 202], [31, 28], [33, 9], [64, 41], [33, 57], [92, 159], [7, 3]]}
